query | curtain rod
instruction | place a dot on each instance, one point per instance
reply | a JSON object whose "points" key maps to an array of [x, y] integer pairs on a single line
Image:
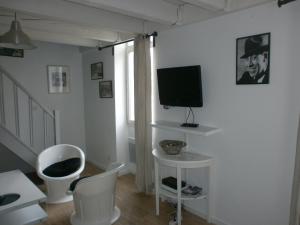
{"points": [[283, 2], [154, 34]]}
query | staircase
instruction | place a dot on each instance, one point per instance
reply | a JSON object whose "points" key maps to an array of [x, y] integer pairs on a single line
{"points": [[26, 126]]}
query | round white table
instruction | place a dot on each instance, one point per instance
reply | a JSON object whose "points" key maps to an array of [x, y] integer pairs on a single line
{"points": [[184, 160]]}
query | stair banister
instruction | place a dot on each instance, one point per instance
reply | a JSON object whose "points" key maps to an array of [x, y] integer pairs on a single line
{"points": [[30, 121], [16, 107], [25, 91], [57, 126], [47, 116]]}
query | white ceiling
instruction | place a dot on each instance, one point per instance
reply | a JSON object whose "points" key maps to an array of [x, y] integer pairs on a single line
{"points": [[94, 22]]}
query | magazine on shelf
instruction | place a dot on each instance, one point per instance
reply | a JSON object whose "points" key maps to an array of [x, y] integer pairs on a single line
{"points": [[170, 184], [171, 189]]}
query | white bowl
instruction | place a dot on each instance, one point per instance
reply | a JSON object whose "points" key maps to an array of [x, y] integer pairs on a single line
{"points": [[172, 147]]}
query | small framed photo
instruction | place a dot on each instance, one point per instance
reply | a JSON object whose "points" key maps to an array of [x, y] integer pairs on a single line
{"points": [[105, 89], [58, 79], [253, 59], [97, 71]]}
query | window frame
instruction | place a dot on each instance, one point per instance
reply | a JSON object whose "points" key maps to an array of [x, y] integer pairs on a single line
{"points": [[129, 49]]}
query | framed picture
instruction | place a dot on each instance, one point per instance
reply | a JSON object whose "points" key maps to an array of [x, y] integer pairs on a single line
{"points": [[12, 52], [97, 71], [58, 79], [253, 59], [105, 89]]}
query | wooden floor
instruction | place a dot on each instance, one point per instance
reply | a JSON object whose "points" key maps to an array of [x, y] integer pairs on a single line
{"points": [[136, 208]]}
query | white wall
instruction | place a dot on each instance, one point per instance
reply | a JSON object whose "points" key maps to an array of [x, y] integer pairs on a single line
{"points": [[31, 72], [255, 152], [99, 112]]}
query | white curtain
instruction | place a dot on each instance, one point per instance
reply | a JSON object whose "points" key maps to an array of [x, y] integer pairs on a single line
{"points": [[143, 130], [295, 198]]}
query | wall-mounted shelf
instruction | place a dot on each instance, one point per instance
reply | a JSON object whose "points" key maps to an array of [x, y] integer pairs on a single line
{"points": [[173, 126]]}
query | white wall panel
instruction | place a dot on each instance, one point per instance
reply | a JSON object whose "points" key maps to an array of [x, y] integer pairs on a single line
{"points": [[99, 112], [255, 152]]}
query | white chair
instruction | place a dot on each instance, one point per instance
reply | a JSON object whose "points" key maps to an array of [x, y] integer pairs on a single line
{"points": [[94, 198], [58, 166]]}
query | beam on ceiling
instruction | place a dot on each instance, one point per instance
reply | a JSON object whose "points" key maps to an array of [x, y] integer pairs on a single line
{"points": [[76, 14], [238, 4], [213, 5], [154, 10]]}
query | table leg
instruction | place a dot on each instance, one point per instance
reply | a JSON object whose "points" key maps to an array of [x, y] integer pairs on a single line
{"points": [[157, 187], [209, 195], [178, 196]]}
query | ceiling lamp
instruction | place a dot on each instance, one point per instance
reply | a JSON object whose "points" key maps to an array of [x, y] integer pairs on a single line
{"points": [[15, 38], [283, 2]]}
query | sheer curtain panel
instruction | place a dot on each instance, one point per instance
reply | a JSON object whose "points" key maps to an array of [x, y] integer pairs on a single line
{"points": [[143, 109]]}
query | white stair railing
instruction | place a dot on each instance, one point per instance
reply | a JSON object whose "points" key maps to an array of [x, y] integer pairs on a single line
{"points": [[24, 117]]}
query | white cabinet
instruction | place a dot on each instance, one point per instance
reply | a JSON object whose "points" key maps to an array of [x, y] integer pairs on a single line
{"points": [[185, 160]]}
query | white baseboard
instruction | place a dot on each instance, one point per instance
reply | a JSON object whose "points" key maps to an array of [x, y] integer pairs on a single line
{"points": [[129, 168], [132, 167], [98, 164], [124, 171], [215, 220]]}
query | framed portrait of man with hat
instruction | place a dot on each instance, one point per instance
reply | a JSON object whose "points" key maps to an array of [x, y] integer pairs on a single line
{"points": [[253, 59]]}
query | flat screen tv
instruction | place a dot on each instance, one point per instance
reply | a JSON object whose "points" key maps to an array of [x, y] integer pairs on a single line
{"points": [[180, 86]]}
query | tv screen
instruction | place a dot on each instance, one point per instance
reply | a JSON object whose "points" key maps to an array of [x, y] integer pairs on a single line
{"points": [[180, 86]]}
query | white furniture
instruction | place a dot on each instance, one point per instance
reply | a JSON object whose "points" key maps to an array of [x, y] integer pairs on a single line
{"points": [[25, 210], [174, 126], [94, 199], [183, 160], [58, 186]]}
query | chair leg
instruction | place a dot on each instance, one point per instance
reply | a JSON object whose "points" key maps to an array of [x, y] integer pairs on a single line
{"points": [[57, 191], [116, 215]]}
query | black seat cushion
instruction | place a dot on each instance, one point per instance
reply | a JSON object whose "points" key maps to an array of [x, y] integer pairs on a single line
{"points": [[74, 183], [62, 168]]}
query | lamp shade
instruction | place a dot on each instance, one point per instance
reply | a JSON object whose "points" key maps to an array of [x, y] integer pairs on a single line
{"points": [[15, 38]]}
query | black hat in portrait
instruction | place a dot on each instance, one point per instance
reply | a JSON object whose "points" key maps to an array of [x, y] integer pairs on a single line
{"points": [[254, 46]]}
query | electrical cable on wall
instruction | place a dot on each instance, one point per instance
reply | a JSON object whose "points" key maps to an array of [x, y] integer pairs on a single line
{"points": [[187, 118]]}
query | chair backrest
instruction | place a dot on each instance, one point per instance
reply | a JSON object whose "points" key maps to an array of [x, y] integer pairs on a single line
{"points": [[58, 153], [94, 196]]}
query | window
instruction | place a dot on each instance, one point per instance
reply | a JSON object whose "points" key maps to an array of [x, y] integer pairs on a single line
{"points": [[130, 82], [130, 79]]}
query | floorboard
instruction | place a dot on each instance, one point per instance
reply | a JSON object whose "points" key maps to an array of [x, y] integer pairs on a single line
{"points": [[136, 208]]}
